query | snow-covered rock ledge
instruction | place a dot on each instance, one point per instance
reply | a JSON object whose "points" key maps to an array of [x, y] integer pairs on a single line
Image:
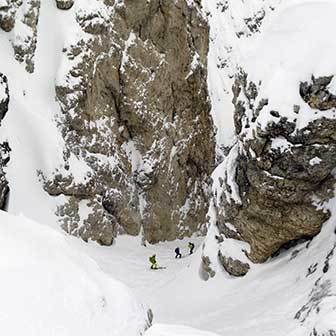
{"points": [[279, 173]]}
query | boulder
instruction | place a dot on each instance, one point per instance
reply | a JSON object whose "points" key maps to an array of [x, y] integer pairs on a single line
{"points": [[64, 4]]}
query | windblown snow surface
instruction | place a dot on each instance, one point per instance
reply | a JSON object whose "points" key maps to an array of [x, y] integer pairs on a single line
{"points": [[50, 284], [48, 288]]}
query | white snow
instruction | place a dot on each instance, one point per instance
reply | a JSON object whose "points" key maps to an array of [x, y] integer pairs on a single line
{"points": [[125, 57], [231, 227], [29, 127], [227, 20], [332, 86], [195, 63], [281, 144], [3, 3], [49, 288], [133, 154], [84, 210], [293, 45], [230, 165], [79, 168], [49, 285], [263, 303], [315, 161], [171, 330]]}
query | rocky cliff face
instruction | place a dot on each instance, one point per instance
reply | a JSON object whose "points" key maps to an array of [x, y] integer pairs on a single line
{"points": [[21, 17], [283, 173], [278, 174], [136, 122], [4, 147]]}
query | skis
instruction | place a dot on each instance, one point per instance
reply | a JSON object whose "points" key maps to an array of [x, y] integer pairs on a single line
{"points": [[184, 256], [158, 268]]}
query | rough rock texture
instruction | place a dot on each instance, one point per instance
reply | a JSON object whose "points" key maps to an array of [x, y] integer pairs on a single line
{"points": [[4, 96], [321, 299], [206, 270], [64, 4], [7, 14], [22, 16], [280, 173], [25, 33], [4, 147], [317, 95], [233, 266], [136, 121]]}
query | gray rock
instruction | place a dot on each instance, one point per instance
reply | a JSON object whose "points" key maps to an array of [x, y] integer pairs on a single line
{"points": [[139, 119], [64, 4], [4, 96], [24, 48], [316, 93], [277, 187], [206, 270], [4, 147], [8, 13], [233, 266]]}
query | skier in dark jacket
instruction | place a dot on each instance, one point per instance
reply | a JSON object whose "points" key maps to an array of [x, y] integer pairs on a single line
{"points": [[152, 260], [191, 247], [178, 253]]}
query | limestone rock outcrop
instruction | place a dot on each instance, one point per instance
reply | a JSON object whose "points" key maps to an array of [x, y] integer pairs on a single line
{"points": [[4, 147], [136, 122], [25, 33], [7, 14], [64, 4], [280, 174], [22, 17]]}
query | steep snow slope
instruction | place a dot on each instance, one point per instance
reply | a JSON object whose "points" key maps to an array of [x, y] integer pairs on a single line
{"points": [[294, 46], [293, 294], [48, 288], [280, 55], [232, 24], [171, 330], [54, 290], [29, 127]]}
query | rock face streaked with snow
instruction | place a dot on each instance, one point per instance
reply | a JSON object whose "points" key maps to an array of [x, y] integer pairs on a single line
{"points": [[136, 122], [133, 152], [284, 172], [279, 172], [4, 147], [21, 17]]}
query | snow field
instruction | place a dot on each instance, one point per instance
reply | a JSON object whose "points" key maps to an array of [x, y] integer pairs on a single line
{"points": [[48, 288]]}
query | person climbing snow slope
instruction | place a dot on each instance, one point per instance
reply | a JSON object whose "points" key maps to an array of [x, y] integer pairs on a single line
{"points": [[191, 247], [153, 262], [178, 253]]}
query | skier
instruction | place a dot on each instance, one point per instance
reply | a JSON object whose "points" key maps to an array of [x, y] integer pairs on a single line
{"points": [[191, 247], [178, 253], [152, 260]]}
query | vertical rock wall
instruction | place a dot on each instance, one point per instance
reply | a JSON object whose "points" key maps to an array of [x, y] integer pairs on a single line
{"points": [[140, 144], [4, 147]]}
